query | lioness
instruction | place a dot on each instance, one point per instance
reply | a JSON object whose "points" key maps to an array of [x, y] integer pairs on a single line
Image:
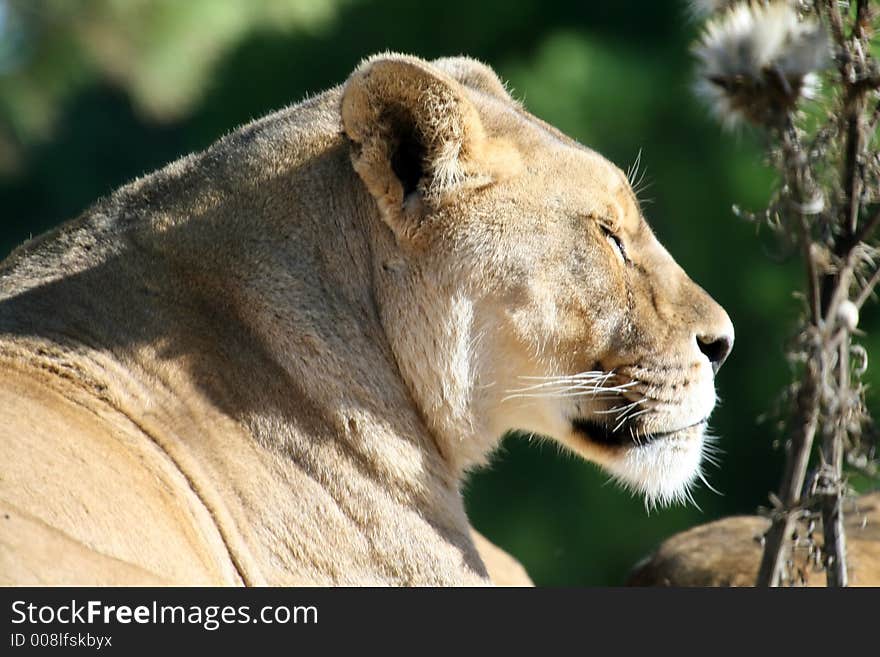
{"points": [[273, 362]]}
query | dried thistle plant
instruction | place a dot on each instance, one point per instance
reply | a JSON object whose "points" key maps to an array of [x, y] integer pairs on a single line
{"points": [[760, 63]]}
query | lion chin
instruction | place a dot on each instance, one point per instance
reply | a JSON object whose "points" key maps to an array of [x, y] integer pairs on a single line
{"points": [[661, 467]]}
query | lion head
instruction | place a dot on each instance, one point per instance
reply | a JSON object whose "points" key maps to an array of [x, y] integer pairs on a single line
{"points": [[519, 284]]}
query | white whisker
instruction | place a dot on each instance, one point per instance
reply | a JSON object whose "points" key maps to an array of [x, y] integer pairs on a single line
{"points": [[633, 416], [707, 484], [688, 496], [633, 169], [599, 394], [582, 375], [575, 386]]}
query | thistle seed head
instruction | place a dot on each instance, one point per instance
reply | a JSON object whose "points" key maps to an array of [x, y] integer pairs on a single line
{"points": [[705, 8], [756, 61], [701, 9]]}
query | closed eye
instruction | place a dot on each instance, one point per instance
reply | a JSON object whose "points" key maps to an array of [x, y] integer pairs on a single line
{"points": [[616, 244]]}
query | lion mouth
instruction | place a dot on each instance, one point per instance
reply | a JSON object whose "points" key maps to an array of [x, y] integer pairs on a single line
{"points": [[603, 434]]}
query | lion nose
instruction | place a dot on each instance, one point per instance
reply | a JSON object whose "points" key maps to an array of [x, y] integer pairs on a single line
{"points": [[716, 348]]}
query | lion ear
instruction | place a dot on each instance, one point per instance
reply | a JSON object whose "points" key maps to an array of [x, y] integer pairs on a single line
{"points": [[415, 135]]}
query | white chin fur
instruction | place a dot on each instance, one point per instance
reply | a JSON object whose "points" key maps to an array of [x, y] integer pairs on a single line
{"points": [[662, 471]]}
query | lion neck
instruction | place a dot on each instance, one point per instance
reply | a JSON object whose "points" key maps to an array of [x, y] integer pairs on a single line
{"points": [[433, 327], [330, 405]]}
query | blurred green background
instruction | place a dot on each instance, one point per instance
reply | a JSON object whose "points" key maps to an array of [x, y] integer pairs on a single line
{"points": [[96, 92]]}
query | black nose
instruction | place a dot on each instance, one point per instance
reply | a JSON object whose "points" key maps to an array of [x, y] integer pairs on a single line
{"points": [[716, 348]]}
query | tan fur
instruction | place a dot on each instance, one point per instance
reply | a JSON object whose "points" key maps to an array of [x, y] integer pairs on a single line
{"points": [[274, 361], [727, 552], [503, 569]]}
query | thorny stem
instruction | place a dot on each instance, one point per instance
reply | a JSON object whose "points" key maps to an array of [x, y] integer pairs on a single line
{"points": [[828, 344], [866, 229], [834, 18], [808, 402], [830, 488], [814, 298], [797, 458], [830, 482], [797, 180], [861, 20], [852, 179], [852, 68], [838, 285], [865, 294]]}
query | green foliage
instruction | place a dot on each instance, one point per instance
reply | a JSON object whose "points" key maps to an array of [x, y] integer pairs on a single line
{"points": [[162, 52], [95, 92]]}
